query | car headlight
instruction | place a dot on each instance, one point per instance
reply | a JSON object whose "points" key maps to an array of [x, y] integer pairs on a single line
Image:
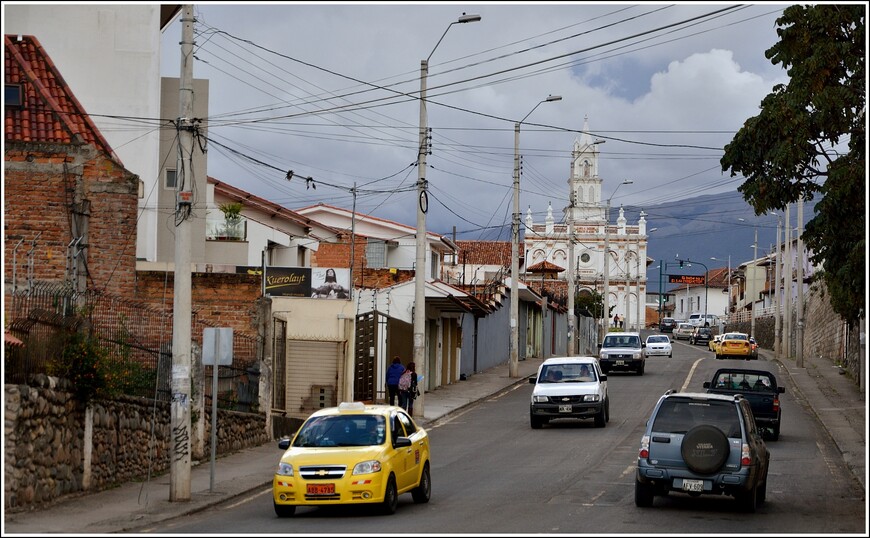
{"points": [[602, 355], [590, 398], [367, 467], [637, 355], [285, 469], [539, 399]]}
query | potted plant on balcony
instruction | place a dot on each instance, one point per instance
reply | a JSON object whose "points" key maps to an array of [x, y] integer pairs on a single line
{"points": [[232, 220]]}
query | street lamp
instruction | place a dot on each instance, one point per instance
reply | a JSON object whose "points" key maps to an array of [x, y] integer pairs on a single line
{"points": [[607, 257], [706, 275], [515, 239], [422, 207]]}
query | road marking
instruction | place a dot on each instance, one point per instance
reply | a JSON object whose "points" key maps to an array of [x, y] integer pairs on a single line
{"points": [[248, 499], [689, 376]]}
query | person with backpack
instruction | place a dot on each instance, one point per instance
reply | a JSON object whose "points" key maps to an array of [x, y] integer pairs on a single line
{"points": [[394, 372], [408, 388]]}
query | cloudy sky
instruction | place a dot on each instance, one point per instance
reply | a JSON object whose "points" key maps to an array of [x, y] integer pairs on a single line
{"points": [[330, 92]]}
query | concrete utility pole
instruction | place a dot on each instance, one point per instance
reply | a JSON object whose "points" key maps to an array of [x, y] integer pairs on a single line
{"points": [[180, 456], [571, 337], [799, 337], [777, 331], [513, 364], [754, 283], [606, 316], [422, 244], [787, 280]]}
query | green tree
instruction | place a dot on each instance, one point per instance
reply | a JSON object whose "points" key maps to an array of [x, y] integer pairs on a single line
{"points": [[809, 140]]}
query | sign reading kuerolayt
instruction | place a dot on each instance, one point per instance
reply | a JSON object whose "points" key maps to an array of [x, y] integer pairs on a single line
{"points": [[312, 282]]}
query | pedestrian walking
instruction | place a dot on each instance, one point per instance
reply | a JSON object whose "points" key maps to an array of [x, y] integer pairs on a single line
{"points": [[393, 373], [408, 388]]}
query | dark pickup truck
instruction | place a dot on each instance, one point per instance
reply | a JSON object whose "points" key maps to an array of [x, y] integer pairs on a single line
{"points": [[758, 387]]}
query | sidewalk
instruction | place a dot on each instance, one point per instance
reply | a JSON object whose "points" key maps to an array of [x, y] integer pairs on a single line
{"points": [[831, 396], [134, 506], [836, 401]]}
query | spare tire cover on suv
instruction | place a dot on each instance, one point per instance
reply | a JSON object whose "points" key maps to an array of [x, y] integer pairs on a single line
{"points": [[705, 449]]}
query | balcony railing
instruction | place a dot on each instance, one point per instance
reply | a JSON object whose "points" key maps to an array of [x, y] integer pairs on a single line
{"points": [[219, 229]]}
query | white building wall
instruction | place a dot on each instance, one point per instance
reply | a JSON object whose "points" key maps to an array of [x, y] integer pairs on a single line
{"points": [[110, 57]]}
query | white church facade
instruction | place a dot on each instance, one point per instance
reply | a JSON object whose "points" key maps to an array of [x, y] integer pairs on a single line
{"points": [[578, 242]]}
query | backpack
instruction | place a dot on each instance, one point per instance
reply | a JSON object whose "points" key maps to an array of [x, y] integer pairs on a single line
{"points": [[405, 380]]}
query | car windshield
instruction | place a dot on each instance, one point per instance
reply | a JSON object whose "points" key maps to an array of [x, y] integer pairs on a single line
{"points": [[676, 415], [621, 341], [735, 336], [657, 340], [568, 373], [342, 430]]}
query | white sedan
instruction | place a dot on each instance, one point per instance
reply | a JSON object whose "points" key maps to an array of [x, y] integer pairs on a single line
{"points": [[658, 344]]}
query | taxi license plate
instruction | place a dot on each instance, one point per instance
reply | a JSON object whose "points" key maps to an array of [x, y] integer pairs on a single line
{"points": [[321, 489], [565, 408], [693, 485], [620, 363]]}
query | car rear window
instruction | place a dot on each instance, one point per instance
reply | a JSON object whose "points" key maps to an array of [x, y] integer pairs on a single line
{"points": [[738, 381], [679, 415]]}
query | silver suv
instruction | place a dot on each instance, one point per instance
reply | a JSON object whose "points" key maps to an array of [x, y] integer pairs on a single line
{"points": [[698, 443], [622, 351]]}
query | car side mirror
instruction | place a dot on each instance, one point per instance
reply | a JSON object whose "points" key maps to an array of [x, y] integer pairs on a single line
{"points": [[706, 384], [284, 443], [532, 379], [402, 442], [603, 377], [599, 345]]}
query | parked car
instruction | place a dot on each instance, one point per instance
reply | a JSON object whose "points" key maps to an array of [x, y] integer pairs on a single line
{"points": [[735, 345], [703, 320], [569, 387], [668, 325], [754, 349], [757, 386], [353, 454], [658, 345], [683, 331], [622, 351], [702, 444], [701, 335]]}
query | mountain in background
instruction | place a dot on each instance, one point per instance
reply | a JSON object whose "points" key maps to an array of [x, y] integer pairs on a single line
{"points": [[707, 227]]}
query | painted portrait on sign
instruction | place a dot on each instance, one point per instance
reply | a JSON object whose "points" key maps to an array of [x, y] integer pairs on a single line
{"points": [[330, 283]]}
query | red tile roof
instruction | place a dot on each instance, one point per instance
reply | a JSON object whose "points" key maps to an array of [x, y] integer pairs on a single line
{"points": [[545, 267], [50, 112], [484, 252]]}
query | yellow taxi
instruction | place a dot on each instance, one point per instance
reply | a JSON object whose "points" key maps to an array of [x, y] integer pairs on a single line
{"points": [[734, 345], [353, 454]]}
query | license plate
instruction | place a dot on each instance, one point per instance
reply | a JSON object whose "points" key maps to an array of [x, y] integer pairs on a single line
{"points": [[565, 408], [321, 489], [693, 485], [620, 363]]}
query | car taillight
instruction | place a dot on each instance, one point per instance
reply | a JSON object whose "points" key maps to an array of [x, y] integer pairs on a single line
{"points": [[775, 403], [745, 455], [644, 447]]}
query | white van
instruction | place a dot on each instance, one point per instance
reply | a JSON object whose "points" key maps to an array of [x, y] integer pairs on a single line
{"points": [[697, 320]]}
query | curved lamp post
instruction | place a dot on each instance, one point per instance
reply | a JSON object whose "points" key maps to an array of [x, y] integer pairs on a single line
{"points": [[514, 365], [422, 207]]}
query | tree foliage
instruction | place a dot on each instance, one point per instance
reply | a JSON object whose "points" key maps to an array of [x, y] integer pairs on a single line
{"points": [[809, 140]]}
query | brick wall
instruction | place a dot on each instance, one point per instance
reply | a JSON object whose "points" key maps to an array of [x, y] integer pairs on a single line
{"points": [[42, 184], [222, 299], [338, 255]]}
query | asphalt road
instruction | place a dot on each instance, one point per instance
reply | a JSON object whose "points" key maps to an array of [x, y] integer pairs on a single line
{"points": [[491, 473]]}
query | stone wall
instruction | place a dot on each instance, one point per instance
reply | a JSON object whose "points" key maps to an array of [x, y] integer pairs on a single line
{"points": [[44, 441]]}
